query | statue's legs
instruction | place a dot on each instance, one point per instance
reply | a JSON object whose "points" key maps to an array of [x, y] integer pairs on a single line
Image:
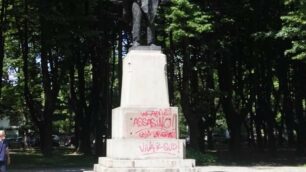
{"points": [[136, 10], [150, 33]]}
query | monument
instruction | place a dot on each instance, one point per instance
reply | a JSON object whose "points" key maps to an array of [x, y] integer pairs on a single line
{"points": [[145, 132]]}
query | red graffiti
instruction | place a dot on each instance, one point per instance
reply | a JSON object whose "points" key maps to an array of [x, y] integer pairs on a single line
{"points": [[154, 122], [153, 147], [159, 112], [156, 134], [160, 123]]}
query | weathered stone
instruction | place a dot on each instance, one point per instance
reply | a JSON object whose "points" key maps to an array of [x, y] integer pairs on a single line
{"points": [[100, 168], [145, 148], [144, 81], [145, 128], [145, 123], [143, 163]]}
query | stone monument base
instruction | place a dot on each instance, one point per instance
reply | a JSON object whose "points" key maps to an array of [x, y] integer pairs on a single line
{"points": [[146, 148], [153, 165], [145, 130]]}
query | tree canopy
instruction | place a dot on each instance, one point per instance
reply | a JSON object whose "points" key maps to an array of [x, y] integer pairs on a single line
{"points": [[233, 66]]}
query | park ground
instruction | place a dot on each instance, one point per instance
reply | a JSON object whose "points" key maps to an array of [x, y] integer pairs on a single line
{"points": [[66, 160]]}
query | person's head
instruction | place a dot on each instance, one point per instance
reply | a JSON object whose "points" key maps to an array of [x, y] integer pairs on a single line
{"points": [[2, 134]]}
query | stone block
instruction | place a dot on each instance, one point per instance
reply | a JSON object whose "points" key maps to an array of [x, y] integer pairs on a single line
{"points": [[165, 163], [143, 163], [144, 80], [144, 122], [146, 148], [100, 168]]}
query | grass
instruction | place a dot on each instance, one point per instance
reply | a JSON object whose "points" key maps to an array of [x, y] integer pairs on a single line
{"points": [[248, 157], [61, 158], [202, 159], [66, 158]]}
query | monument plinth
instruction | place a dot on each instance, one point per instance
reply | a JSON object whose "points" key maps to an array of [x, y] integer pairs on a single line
{"points": [[145, 132], [144, 80]]}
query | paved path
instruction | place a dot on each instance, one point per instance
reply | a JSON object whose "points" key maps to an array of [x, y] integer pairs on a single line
{"points": [[200, 169], [251, 169]]}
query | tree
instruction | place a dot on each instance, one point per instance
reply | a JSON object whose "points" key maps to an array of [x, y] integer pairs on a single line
{"points": [[3, 27], [187, 24]]}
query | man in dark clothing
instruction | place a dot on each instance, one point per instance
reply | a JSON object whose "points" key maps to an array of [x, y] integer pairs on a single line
{"points": [[4, 152], [149, 8], [141, 9]]}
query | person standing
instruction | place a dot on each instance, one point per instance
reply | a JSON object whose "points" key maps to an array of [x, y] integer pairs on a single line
{"points": [[4, 152], [141, 10], [149, 8]]}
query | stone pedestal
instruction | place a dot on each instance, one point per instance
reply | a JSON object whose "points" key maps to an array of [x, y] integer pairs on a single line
{"points": [[145, 132], [144, 79], [144, 122]]}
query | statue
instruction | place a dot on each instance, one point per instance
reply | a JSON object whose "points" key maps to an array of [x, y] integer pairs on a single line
{"points": [[142, 9]]}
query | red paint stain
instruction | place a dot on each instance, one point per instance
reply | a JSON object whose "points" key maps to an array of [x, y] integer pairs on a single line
{"points": [[159, 123], [155, 147]]}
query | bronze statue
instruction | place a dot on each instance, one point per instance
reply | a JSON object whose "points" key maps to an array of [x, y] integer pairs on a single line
{"points": [[142, 9]]}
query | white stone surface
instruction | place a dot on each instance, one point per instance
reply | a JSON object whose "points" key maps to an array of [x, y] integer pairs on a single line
{"points": [[143, 122], [165, 163], [145, 148], [214, 169], [143, 163], [198, 169], [100, 168], [144, 80], [145, 128]]}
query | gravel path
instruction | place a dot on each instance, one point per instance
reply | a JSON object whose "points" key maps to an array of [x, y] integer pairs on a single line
{"points": [[200, 169]]}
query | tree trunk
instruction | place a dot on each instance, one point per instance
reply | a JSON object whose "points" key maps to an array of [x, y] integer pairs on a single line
{"points": [[1, 58], [287, 102], [31, 105], [270, 118], [233, 118], [45, 132], [100, 95], [258, 117], [2, 25], [212, 109], [170, 71], [84, 129], [51, 73], [73, 105], [191, 118], [299, 82]]}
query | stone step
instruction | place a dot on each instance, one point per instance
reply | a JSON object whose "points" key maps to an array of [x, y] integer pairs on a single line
{"points": [[152, 163], [100, 168], [146, 148]]}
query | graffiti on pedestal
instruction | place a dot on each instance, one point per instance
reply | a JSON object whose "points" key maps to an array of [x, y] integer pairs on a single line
{"points": [[159, 147], [157, 123]]}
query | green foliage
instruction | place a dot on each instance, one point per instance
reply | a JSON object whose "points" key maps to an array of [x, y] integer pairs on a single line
{"points": [[62, 158], [187, 20], [11, 101], [294, 29], [223, 57], [201, 158]]}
